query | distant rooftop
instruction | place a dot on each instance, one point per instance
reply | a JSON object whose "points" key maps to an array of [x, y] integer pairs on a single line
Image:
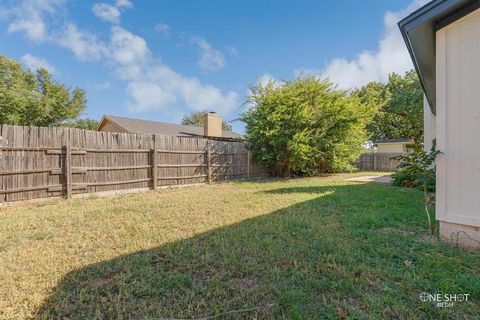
{"points": [[162, 128], [398, 140]]}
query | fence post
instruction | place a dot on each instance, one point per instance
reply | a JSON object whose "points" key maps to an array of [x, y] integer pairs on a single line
{"points": [[2, 167], [154, 163], [248, 164], [209, 165], [374, 162], [68, 169]]}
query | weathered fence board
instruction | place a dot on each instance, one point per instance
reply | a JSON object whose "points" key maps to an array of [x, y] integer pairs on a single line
{"points": [[38, 162], [378, 162]]}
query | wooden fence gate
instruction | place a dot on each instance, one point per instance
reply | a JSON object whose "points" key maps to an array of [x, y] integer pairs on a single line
{"points": [[378, 162]]}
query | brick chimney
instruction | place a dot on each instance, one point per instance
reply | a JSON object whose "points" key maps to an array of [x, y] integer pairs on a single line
{"points": [[212, 125]]}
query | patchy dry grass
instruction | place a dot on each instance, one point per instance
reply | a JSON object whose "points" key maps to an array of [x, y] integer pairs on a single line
{"points": [[307, 248]]}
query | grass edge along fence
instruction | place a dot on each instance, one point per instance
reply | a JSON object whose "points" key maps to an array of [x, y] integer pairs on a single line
{"points": [[40, 162]]}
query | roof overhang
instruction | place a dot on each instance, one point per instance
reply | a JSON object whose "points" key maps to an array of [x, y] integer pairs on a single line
{"points": [[105, 119], [393, 142], [418, 31], [102, 123]]}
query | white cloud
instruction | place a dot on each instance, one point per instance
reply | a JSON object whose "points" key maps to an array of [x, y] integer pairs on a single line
{"points": [[111, 12], [160, 88], [128, 48], [266, 79], [33, 27], [107, 12], [31, 17], [231, 51], [124, 4], [148, 95], [210, 58], [84, 45], [163, 29], [391, 56], [35, 63], [152, 85], [128, 53], [202, 97], [28, 17]]}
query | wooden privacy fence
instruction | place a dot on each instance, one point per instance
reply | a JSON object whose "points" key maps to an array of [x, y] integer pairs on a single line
{"points": [[378, 162], [37, 162]]}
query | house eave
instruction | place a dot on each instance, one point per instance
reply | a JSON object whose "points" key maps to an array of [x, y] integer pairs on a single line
{"points": [[419, 31], [106, 119]]}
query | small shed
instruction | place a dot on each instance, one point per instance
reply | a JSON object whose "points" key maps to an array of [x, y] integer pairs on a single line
{"points": [[401, 145]]}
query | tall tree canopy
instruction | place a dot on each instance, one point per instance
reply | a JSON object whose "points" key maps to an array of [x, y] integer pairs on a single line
{"points": [[400, 107], [85, 124], [196, 119], [28, 98], [305, 126]]}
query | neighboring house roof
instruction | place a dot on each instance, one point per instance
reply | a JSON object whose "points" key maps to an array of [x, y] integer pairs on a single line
{"points": [[399, 140], [161, 128], [418, 30]]}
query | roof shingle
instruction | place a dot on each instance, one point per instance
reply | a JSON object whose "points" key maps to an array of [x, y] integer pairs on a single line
{"points": [[163, 128]]}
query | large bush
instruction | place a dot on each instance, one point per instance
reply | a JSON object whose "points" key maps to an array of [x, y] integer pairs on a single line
{"points": [[305, 126]]}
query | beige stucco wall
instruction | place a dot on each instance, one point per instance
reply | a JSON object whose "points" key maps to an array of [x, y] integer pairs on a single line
{"points": [[391, 148], [458, 126]]}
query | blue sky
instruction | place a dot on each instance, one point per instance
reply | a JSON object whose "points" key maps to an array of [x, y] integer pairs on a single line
{"points": [[162, 59]]}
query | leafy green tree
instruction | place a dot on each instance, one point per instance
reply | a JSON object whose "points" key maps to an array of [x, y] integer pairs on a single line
{"points": [[400, 107], [196, 119], [35, 99], [305, 126], [85, 124]]}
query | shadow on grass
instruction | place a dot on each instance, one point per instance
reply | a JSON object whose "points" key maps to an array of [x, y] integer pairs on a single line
{"points": [[322, 258]]}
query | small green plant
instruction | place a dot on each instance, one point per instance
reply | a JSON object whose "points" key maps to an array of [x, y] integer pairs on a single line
{"points": [[404, 178], [418, 170]]}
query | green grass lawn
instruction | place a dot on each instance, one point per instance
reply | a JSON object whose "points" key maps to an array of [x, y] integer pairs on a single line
{"points": [[297, 249]]}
